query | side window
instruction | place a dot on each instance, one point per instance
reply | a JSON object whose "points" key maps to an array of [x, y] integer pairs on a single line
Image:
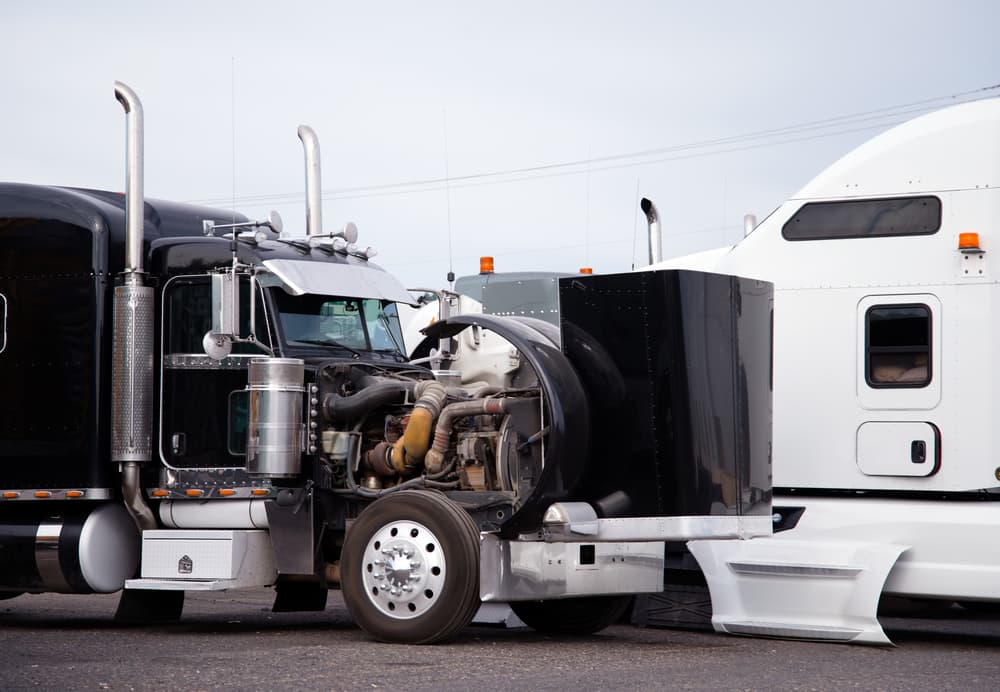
{"points": [[187, 308], [898, 346], [187, 315], [382, 323], [866, 218]]}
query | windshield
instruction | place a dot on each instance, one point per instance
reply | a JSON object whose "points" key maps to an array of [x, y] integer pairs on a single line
{"points": [[354, 324]]}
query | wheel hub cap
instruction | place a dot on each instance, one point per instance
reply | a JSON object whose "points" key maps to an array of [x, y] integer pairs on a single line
{"points": [[403, 569]]}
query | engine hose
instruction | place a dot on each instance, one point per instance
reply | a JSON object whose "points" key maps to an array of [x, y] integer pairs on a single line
{"points": [[434, 461], [346, 409], [356, 490], [409, 450]]}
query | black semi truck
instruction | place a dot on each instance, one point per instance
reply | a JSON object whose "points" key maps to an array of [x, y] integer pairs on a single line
{"points": [[192, 400]]}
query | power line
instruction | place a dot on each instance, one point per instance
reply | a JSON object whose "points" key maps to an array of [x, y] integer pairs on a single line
{"points": [[548, 250], [878, 118]]}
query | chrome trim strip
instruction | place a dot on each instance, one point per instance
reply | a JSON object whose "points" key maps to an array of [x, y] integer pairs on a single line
{"points": [[56, 494], [795, 570], [664, 529]]}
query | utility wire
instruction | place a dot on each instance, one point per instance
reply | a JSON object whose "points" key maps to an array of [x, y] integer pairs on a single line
{"points": [[878, 118]]}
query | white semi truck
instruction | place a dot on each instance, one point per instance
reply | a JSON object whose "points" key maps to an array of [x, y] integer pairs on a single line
{"points": [[190, 401], [886, 470]]}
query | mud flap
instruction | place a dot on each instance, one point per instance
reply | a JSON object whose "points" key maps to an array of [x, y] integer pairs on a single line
{"points": [[142, 605], [794, 589]]}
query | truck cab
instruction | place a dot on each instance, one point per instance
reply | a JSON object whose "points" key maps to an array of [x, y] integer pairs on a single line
{"points": [[195, 400]]}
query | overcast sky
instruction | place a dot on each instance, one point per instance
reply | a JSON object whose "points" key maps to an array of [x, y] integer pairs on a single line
{"points": [[405, 92]]}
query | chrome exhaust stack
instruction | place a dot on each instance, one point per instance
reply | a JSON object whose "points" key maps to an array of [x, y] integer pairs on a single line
{"points": [[314, 191], [132, 350], [655, 237]]}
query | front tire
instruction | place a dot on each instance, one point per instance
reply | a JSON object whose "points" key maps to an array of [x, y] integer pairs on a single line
{"points": [[410, 568], [576, 616]]}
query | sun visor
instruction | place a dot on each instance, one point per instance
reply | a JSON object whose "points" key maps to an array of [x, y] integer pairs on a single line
{"points": [[348, 280]]}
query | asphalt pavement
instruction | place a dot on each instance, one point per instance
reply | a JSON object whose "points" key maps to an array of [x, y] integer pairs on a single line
{"points": [[231, 641]]}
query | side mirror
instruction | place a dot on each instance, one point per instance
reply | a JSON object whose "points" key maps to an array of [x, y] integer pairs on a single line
{"points": [[218, 343], [274, 222], [350, 232]]}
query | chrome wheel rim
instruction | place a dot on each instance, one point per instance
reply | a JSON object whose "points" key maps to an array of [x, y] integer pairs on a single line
{"points": [[403, 569]]}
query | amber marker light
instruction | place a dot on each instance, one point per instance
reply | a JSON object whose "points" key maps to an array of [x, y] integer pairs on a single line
{"points": [[11, 495], [160, 493], [259, 491], [43, 494], [968, 241], [485, 265], [586, 270], [194, 492], [74, 493], [227, 492]]}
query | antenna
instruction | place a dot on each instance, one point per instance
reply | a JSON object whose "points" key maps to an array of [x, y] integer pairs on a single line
{"points": [[447, 189], [635, 220], [586, 224], [232, 127]]}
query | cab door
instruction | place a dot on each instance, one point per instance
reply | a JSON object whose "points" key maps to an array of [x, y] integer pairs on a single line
{"points": [[194, 388], [899, 385]]}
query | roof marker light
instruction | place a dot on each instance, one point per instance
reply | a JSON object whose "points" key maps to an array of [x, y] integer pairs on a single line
{"points": [[968, 242], [486, 265], [586, 270]]}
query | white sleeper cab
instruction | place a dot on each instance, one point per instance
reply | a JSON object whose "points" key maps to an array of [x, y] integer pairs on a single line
{"points": [[886, 472]]}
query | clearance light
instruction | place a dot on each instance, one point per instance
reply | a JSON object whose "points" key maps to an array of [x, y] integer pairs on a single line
{"points": [[160, 493], [74, 493], [43, 494], [968, 242], [586, 270], [485, 265], [194, 492], [259, 491], [227, 492], [11, 495]]}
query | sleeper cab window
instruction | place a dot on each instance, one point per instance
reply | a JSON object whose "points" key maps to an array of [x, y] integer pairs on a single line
{"points": [[898, 346], [864, 218]]}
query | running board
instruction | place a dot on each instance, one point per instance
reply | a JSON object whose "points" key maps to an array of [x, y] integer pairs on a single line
{"points": [[795, 589], [193, 584]]}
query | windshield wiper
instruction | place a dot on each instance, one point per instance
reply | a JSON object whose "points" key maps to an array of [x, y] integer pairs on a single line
{"points": [[327, 342]]}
